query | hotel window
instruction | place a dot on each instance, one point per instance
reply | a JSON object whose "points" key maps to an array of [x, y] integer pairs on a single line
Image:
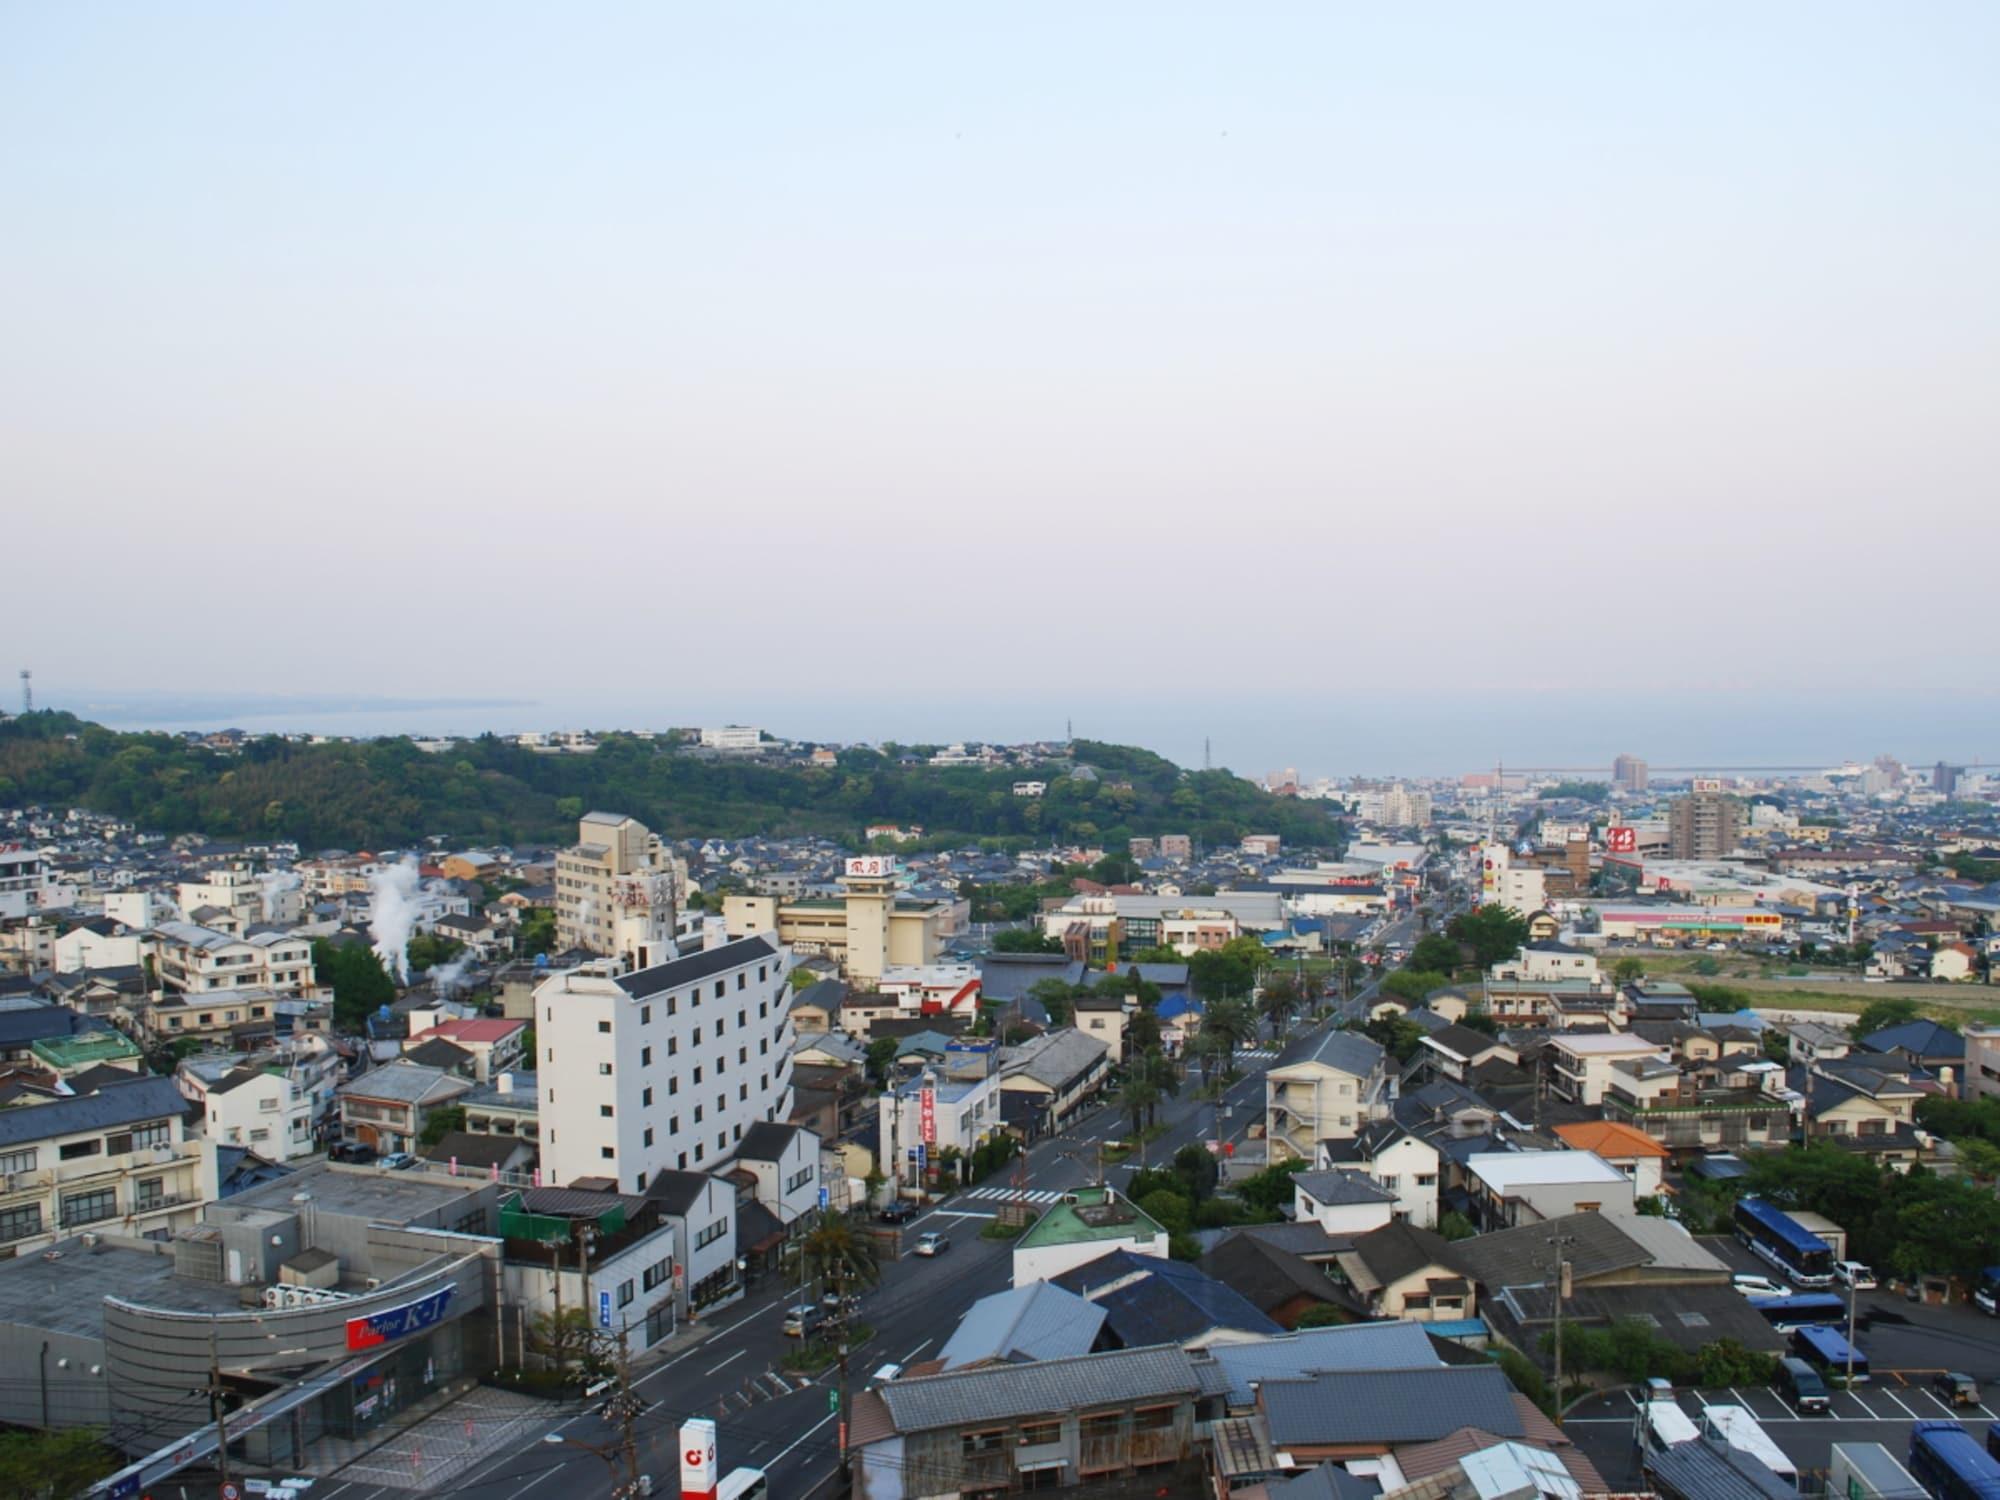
{"points": [[89, 1208], [645, 1015], [19, 1223]]}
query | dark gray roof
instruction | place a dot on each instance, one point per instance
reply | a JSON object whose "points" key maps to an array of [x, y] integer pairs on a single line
{"points": [[1003, 1393], [767, 1141], [120, 1104], [1349, 1051], [1390, 1406], [677, 1192], [1400, 1249], [695, 967], [1328, 1482], [1523, 1256], [1702, 1471], [1342, 1185], [1036, 1321], [825, 994]]}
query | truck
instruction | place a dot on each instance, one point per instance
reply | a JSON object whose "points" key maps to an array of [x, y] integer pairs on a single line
{"points": [[1825, 1228], [1738, 1428], [1868, 1471]]}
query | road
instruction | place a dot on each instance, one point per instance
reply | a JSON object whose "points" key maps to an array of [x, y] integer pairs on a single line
{"points": [[785, 1424]]}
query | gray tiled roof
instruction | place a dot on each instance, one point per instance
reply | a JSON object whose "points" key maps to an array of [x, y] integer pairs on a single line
{"points": [[1342, 1185], [1001, 1393], [1313, 1351], [1524, 1257], [1347, 1051], [121, 1104], [1036, 1321], [1390, 1406]]}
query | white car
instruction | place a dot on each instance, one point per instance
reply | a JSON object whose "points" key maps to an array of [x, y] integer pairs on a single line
{"points": [[1758, 1286], [1853, 1273]]}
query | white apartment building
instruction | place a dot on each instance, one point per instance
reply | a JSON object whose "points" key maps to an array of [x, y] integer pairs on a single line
{"points": [[25, 877], [1580, 1067], [617, 891], [732, 737], [234, 891], [930, 1114], [662, 1068], [200, 962], [117, 1159]]}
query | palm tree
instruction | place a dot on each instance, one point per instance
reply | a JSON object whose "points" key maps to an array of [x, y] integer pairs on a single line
{"points": [[837, 1259], [1277, 1002], [1159, 1071], [1230, 1022], [1137, 1095]]}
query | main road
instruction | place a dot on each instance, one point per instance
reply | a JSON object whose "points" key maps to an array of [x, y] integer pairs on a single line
{"points": [[786, 1424]]}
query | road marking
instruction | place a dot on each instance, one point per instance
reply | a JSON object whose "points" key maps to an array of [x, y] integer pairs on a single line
{"points": [[918, 1350], [801, 1438], [1863, 1404], [1900, 1402], [1781, 1401], [960, 1213], [736, 1356]]}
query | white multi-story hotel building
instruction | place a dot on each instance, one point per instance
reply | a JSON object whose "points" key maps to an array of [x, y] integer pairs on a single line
{"points": [[663, 1067]]}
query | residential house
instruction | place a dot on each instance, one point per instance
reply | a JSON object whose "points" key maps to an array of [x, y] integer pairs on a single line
{"points": [[1520, 1187], [1919, 1044], [495, 1044], [1403, 1271], [701, 1211], [389, 1106], [816, 1008], [118, 1157], [509, 1106], [1147, 1299], [1343, 1201], [1324, 1086], [1103, 1017], [1865, 1103], [1051, 1423], [1630, 1150], [1085, 1224], [1580, 1067], [1049, 1080], [1455, 1051], [202, 964], [1033, 1322]]}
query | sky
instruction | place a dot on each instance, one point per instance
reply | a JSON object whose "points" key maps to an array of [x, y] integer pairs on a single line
{"points": [[1359, 387]]}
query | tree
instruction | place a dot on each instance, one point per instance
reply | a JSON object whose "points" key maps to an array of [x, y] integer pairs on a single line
{"points": [[835, 1257], [881, 1057], [1197, 1169], [802, 979], [440, 1123], [1880, 1015], [567, 1339], [1231, 1024], [1159, 1071], [1272, 1190], [1136, 1097], [1492, 933], [1277, 1001], [1628, 971], [1025, 940], [357, 979], [1398, 1037], [1414, 984], [1323, 1315], [1436, 952], [537, 933], [1454, 1225], [1171, 1211], [53, 1465], [1142, 1032], [1054, 996]]}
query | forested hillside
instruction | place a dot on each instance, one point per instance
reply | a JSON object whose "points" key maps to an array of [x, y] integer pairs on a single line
{"points": [[387, 792]]}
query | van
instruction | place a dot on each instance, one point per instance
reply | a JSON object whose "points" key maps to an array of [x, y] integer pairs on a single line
{"points": [[803, 1321], [1800, 1384]]}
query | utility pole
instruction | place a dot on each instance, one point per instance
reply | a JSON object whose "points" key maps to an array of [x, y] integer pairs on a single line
{"points": [[1560, 1244], [1851, 1293], [217, 1406]]}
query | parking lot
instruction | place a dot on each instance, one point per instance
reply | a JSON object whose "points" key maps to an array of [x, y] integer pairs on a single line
{"points": [[1906, 1344], [1879, 1412]]}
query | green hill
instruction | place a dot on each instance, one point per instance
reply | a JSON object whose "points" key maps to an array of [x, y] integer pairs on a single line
{"points": [[381, 793]]}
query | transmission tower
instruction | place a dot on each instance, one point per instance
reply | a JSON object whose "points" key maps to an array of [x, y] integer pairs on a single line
{"points": [[27, 691]]}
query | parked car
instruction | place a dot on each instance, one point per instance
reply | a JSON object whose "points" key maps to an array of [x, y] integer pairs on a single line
{"points": [[831, 1299], [933, 1243], [1955, 1388], [1758, 1286], [802, 1322], [351, 1151], [1802, 1385], [900, 1211], [1854, 1274], [398, 1161]]}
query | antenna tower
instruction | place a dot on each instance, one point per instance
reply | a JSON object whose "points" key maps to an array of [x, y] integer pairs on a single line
{"points": [[1207, 754], [27, 691]]}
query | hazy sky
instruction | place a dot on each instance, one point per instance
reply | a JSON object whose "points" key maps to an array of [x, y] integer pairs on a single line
{"points": [[1621, 369]]}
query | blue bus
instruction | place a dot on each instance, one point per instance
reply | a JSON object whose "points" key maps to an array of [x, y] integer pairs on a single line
{"points": [[1774, 1236], [1787, 1313], [1827, 1350], [1949, 1463]]}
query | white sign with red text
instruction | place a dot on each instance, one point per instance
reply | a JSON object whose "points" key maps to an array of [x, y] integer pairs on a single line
{"points": [[698, 1459]]}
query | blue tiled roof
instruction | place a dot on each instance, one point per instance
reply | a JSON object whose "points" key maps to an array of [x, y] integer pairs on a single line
{"points": [[1163, 1301]]}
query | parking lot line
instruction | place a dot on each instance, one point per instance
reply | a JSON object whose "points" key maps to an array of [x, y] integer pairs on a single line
{"points": [[1873, 1414], [1900, 1402], [1782, 1402]]}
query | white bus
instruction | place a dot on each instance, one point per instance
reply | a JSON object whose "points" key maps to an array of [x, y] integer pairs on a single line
{"points": [[743, 1484], [1662, 1424], [1739, 1429]]}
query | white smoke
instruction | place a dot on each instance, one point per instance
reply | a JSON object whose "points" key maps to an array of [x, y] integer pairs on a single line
{"points": [[446, 980], [273, 884], [392, 914]]}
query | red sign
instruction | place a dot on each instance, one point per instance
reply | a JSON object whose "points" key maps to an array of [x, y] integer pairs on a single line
{"points": [[1621, 840], [927, 1114]]}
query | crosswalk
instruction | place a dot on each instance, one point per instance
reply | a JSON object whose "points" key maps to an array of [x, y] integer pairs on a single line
{"points": [[1009, 1195], [1256, 1054]]}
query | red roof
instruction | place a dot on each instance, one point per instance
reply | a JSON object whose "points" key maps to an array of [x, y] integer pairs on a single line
{"points": [[483, 1029]]}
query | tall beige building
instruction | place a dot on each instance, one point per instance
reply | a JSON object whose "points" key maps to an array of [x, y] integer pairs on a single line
{"points": [[1703, 825], [618, 890]]}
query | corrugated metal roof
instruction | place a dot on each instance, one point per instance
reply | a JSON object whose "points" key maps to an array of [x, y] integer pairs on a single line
{"points": [[1001, 1393], [1357, 1346], [1390, 1406], [1036, 1321]]}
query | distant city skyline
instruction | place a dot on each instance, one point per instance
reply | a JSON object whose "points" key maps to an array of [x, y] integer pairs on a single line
{"points": [[1411, 739]]}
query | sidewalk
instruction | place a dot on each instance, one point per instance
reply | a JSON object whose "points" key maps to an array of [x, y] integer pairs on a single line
{"points": [[451, 1431]]}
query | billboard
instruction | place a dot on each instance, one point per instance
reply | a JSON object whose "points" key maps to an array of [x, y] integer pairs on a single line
{"points": [[1707, 784], [697, 1457], [1621, 840], [927, 1115], [872, 866], [397, 1322]]}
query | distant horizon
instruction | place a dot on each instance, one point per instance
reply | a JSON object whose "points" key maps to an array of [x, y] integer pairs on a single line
{"points": [[1250, 740]]}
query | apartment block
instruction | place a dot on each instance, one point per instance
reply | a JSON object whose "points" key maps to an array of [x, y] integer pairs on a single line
{"points": [[1703, 825], [665, 1067], [618, 890], [118, 1157]]}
